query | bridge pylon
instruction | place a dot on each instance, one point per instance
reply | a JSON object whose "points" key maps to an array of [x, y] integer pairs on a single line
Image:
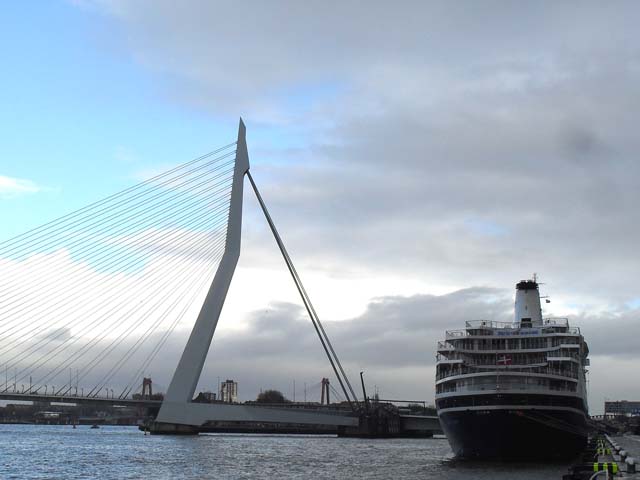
{"points": [[178, 413]]}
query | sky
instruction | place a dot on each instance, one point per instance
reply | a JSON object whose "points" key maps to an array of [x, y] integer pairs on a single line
{"points": [[419, 159]]}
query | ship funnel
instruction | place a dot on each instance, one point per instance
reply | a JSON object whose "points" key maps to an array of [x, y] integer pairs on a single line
{"points": [[528, 311]]}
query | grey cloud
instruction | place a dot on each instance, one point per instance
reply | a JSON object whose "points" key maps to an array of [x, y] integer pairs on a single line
{"points": [[394, 335], [257, 49], [394, 331], [611, 333], [394, 341], [444, 142], [57, 334]]}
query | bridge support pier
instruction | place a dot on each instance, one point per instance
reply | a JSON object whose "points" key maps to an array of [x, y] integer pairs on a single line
{"points": [[381, 422], [373, 426], [161, 428]]}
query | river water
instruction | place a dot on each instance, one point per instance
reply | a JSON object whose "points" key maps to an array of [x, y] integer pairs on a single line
{"points": [[60, 452]]}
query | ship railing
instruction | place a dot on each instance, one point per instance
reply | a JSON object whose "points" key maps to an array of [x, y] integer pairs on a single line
{"points": [[465, 370], [561, 350], [474, 331], [482, 349], [559, 321], [546, 322], [520, 387], [503, 347], [540, 359], [479, 324], [561, 329], [456, 333]]}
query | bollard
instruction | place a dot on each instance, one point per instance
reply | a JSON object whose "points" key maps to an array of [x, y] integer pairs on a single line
{"points": [[631, 465], [611, 467]]}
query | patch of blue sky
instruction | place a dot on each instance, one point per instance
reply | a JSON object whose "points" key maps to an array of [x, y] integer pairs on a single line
{"points": [[299, 99], [69, 110], [575, 306], [282, 143], [633, 304], [486, 228]]}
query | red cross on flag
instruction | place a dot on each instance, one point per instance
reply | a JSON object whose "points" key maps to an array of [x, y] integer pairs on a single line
{"points": [[504, 360]]}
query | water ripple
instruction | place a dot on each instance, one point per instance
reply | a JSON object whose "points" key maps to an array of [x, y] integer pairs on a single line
{"points": [[60, 452]]}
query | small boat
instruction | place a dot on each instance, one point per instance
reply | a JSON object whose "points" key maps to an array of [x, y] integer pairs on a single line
{"points": [[94, 426]]}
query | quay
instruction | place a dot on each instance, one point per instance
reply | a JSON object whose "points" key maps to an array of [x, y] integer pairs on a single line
{"points": [[608, 457], [627, 448]]}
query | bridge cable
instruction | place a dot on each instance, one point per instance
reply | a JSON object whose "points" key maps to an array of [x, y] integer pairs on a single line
{"points": [[206, 280], [75, 213], [112, 259], [47, 357], [107, 260], [108, 297], [130, 264], [94, 342], [37, 237], [188, 286], [168, 209], [214, 251], [183, 274], [129, 210], [53, 353], [324, 340], [336, 393], [158, 274], [304, 292]]}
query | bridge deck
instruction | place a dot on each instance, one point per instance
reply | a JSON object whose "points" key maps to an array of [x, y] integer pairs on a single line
{"points": [[30, 397]]}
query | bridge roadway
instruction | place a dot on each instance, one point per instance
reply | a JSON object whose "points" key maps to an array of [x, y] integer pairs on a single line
{"points": [[77, 399], [409, 423]]}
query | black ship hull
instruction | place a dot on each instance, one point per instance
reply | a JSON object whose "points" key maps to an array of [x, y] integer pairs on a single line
{"points": [[515, 433]]}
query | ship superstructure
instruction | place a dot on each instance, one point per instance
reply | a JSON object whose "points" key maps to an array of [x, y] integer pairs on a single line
{"points": [[514, 390]]}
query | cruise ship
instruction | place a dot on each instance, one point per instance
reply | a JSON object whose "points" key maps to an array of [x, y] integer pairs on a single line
{"points": [[514, 390]]}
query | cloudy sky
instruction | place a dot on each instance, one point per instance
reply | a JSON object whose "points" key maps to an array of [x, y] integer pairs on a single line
{"points": [[419, 159]]}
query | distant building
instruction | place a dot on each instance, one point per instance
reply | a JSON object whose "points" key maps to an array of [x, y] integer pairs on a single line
{"points": [[206, 397], [47, 415], [622, 407], [229, 391]]}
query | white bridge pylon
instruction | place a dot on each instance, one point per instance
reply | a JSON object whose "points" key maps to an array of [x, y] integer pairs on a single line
{"points": [[178, 413]]}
